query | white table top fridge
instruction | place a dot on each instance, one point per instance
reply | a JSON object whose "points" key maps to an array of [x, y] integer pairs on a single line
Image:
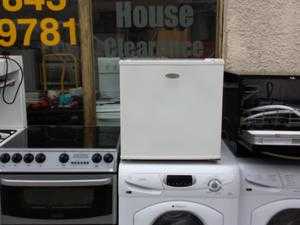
{"points": [[171, 109]]}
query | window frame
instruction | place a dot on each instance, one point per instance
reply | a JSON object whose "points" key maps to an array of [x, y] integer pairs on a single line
{"points": [[87, 55]]}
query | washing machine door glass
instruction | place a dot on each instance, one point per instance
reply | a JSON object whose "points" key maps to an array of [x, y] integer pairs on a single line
{"points": [[178, 218], [286, 217]]}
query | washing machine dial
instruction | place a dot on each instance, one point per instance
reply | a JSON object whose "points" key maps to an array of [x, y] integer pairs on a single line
{"points": [[214, 185]]}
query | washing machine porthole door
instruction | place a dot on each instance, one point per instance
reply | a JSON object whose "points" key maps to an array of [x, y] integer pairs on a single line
{"points": [[286, 217], [178, 213], [178, 218]]}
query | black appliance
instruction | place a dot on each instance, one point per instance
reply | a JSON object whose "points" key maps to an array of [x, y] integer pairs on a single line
{"points": [[261, 115]]}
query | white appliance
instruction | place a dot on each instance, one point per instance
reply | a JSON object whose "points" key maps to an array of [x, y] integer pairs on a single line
{"points": [[270, 193], [171, 109], [171, 193], [108, 113], [108, 73], [12, 116]]}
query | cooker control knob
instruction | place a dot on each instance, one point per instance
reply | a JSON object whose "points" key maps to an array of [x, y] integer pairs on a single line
{"points": [[40, 158], [64, 158], [214, 185], [28, 158], [108, 158], [4, 158], [16, 158], [96, 158]]}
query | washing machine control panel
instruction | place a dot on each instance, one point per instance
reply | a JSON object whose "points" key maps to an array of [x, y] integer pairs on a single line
{"points": [[179, 180], [216, 185]]}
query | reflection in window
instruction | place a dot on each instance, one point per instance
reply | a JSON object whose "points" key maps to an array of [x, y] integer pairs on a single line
{"points": [[146, 28], [49, 43]]}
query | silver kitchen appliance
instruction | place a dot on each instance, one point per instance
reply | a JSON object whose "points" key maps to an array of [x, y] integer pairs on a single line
{"points": [[171, 109], [12, 98], [60, 175], [52, 175]]}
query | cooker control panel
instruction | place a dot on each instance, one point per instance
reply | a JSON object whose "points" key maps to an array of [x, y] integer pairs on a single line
{"points": [[70, 161]]}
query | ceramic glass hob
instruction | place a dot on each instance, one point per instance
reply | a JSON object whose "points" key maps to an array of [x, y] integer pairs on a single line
{"points": [[66, 137]]}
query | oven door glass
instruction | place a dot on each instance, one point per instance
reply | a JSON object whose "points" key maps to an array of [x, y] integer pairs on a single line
{"points": [[58, 198], [286, 217]]}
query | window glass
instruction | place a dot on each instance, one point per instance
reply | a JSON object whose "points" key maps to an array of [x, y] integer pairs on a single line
{"points": [[45, 33], [146, 29]]}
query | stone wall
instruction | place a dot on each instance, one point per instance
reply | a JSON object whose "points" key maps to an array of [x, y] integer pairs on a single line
{"points": [[262, 37]]}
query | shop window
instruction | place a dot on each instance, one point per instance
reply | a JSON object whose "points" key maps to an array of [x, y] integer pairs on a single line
{"points": [[45, 33], [146, 29]]}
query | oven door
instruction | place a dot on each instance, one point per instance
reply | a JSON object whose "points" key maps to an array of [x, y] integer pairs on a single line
{"points": [[58, 199]]}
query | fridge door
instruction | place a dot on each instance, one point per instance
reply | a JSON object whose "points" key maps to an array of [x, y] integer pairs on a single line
{"points": [[171, 109]]}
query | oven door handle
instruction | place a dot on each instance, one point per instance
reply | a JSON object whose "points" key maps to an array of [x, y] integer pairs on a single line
{"points": [[56, 183]]}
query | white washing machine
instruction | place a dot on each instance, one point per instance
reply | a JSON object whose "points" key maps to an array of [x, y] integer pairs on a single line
{"points": [[270, 193], [179, 193]]}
